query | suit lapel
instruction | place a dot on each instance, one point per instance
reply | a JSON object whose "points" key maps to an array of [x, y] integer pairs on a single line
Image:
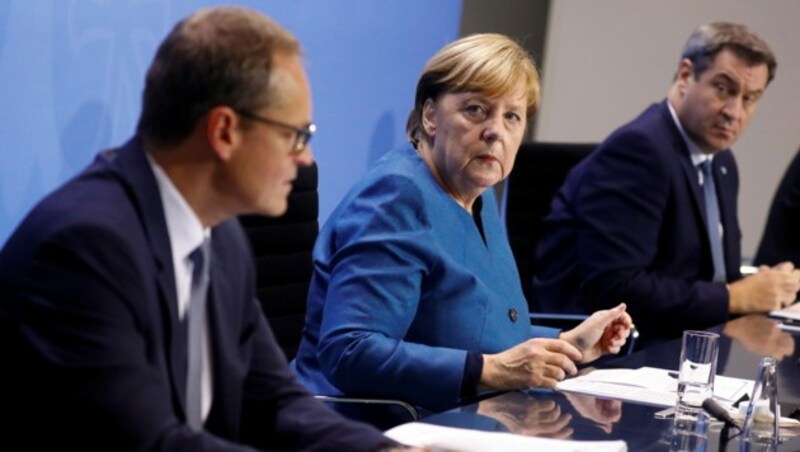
{"points": [[726, 195], [224, 343], [693, 182], [687, 167], [134, 169], [720, 170]]}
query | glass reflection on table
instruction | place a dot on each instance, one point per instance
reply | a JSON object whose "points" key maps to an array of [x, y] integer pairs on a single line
{"points": [[550, 414], [761, 336]]}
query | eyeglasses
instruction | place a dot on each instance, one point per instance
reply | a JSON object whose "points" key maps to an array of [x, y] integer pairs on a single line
{"points": [[302, 135]]}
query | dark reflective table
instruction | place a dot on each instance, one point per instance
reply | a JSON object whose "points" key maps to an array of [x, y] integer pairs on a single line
{"points": [[551, 414]]}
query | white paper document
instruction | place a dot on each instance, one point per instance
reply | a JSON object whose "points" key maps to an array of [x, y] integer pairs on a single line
{"points": [[451, 439], [648, 385], [789, 312]]}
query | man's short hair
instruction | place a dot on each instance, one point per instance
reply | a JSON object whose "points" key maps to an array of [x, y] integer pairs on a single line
{"points": [[707, 41], [217, 56]]}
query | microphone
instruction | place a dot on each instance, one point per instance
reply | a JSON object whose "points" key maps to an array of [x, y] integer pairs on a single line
{"points": [[718, 411]]}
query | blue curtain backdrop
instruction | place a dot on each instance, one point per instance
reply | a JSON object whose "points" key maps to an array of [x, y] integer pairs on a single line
{"points": [[71, 76]]}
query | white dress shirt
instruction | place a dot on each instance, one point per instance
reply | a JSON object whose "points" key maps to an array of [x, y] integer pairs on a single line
{"points": [[186, 233], [696, 155]]}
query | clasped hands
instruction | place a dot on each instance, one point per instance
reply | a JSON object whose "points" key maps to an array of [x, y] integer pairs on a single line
{"points": [[770, 289], [544, 362]]}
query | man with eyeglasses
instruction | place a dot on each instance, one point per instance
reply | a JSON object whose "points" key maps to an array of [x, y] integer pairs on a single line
{"points": [[302, 135], [128, 318]]}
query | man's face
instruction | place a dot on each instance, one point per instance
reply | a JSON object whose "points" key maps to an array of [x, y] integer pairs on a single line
{"points": [[263, 169], [715, 108]]}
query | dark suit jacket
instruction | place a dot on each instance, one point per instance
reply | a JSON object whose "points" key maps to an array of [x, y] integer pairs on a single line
{"points": [[628, 225], [781, 239], [92, 355]]}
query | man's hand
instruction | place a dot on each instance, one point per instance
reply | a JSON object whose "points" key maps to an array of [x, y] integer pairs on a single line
{"points": [[770, 289], [603, 332], [533, 363]]}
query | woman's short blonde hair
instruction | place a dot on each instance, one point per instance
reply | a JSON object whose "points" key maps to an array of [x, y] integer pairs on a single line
{"points": [[488, 63]]}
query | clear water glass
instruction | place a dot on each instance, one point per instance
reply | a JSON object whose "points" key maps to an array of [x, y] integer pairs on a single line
{"points": [[696, 371]]}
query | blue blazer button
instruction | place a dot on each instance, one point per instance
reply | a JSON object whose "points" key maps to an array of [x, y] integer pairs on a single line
{"points": [[512, 314]]}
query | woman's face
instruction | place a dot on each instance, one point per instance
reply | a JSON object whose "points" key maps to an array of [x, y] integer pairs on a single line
{"points": [[474, 139]]}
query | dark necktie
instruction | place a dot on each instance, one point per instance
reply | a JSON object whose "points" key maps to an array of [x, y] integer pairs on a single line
{"points": [[197, 325], [712, 221]]}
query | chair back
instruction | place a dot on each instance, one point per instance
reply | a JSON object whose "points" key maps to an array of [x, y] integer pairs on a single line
{"points": [[282, 249], [539, 171]]}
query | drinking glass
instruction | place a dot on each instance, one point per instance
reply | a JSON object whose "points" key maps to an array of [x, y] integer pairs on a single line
{"points": [[696, 371]]}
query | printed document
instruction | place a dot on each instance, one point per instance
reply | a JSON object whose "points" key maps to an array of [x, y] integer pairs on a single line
{"points": [[648, 386], [791, 312], [453, 439]]}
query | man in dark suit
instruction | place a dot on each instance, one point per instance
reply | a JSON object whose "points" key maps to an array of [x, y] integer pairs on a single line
{"points": [[637, 222], [97, 283], [781, 238]]}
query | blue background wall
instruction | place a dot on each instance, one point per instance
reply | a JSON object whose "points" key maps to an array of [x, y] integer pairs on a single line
{"points": [[71, 75]]}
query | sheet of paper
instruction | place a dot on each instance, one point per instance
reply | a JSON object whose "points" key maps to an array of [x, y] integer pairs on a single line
{"points": [[789, 312], [648, 385], [450, 439]]}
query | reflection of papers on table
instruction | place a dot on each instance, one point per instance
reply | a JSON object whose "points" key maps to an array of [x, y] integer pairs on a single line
{"points": [[648, 385], [447, 439]]}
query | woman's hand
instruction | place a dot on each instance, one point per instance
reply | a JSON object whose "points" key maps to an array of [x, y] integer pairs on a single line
{"points": [[525, 415], [603, 332], [533, 363], [604, 412]]}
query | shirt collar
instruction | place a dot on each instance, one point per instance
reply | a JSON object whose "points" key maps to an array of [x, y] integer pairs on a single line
{"points": [[186, 232], [695, 153]]}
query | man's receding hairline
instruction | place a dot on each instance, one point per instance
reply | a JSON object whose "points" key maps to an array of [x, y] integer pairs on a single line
{"points": [[280, 73]]}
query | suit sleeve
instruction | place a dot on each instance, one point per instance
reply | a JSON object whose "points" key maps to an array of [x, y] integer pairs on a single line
{"points": [[780, 240], [377, 275], [280, 413], [86, 341], [621, 204]]}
